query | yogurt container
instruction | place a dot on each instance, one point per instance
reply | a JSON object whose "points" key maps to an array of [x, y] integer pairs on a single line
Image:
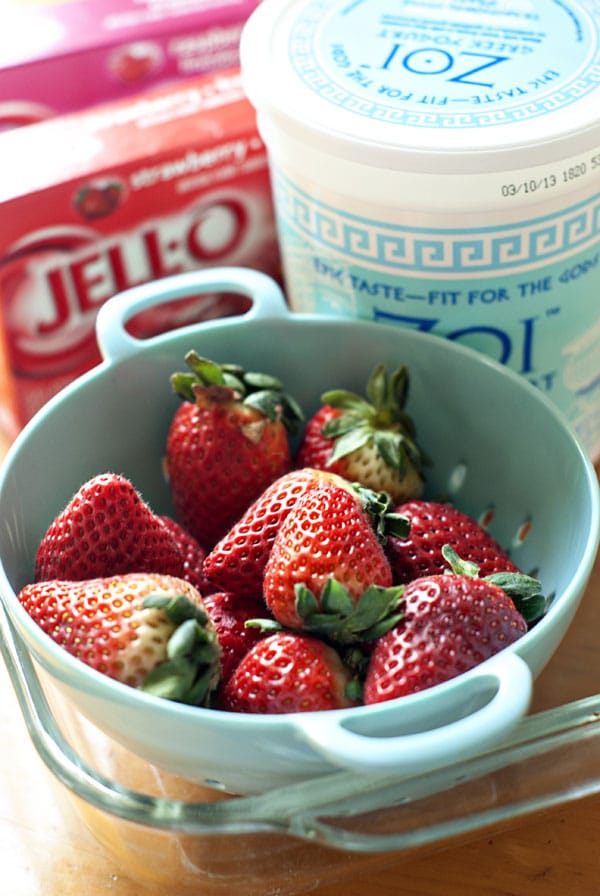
{"points": [[436, 165]]}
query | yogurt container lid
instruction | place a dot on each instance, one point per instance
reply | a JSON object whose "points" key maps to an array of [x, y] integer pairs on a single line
{"points": [[428, 84]]}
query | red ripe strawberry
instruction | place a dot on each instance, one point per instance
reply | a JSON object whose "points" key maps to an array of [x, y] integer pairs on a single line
{"points": [[192, 555], [289, 672], [145, 630], [327, 571], [229, 615], [227, 442], [432, 525], [451, 623], [237, 562], [106, 529], [368, 440]]}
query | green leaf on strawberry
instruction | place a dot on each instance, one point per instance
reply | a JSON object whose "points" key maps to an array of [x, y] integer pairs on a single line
{"points": [[202, 371], [178, 609], [371, 439], [192, 664], [255, 389], [339, 618], [382, 418], [384, 521], [524, 591]]}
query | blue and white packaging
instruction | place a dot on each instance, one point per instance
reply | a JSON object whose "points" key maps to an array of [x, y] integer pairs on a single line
{"points": [[436, 164]]}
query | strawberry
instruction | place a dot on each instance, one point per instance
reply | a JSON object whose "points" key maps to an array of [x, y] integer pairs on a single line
{"points": [[145, 630], [372, 440], [192, 555], [237, 562], [106, 529], [229, 615], [327, 571], [450, 623], [289, 672], [226, 443], [434, 524]]}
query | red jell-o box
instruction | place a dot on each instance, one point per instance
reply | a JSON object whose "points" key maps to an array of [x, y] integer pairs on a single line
{"points": [[59, 56], [96, 202]]}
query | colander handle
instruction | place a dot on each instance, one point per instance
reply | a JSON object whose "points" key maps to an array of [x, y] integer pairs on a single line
{"points": [[116, 343], [432, 745]]}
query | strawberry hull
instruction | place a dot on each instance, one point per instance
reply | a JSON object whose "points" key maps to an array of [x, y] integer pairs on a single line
{"points": [[94, 51], [123, 194]]}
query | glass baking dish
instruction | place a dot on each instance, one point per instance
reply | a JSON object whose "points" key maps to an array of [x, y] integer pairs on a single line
{"points": [[158, 827]]}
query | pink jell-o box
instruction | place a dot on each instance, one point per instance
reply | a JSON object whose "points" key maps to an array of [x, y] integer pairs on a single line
{"points": [[64, 55], [98, 201]]}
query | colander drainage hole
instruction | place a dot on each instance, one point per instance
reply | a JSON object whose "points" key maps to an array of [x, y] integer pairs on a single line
{"points": [[486, 517], [456, 478], [522, 533]]}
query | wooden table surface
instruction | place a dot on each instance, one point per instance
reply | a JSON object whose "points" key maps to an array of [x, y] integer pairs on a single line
{"points": [[46, 848]]}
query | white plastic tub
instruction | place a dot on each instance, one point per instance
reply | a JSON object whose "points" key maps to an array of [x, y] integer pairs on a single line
{"points": [[436, 164]]}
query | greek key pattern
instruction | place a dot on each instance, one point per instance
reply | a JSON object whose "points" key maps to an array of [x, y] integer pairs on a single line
{"points": [[394, 247]]}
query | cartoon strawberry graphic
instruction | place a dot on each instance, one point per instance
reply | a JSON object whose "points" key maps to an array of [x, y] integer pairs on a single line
{"points": [[136, 62], [99, 198]]}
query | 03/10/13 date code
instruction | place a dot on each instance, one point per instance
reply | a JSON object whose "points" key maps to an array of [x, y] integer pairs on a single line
{"points": [[549, 181]]}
